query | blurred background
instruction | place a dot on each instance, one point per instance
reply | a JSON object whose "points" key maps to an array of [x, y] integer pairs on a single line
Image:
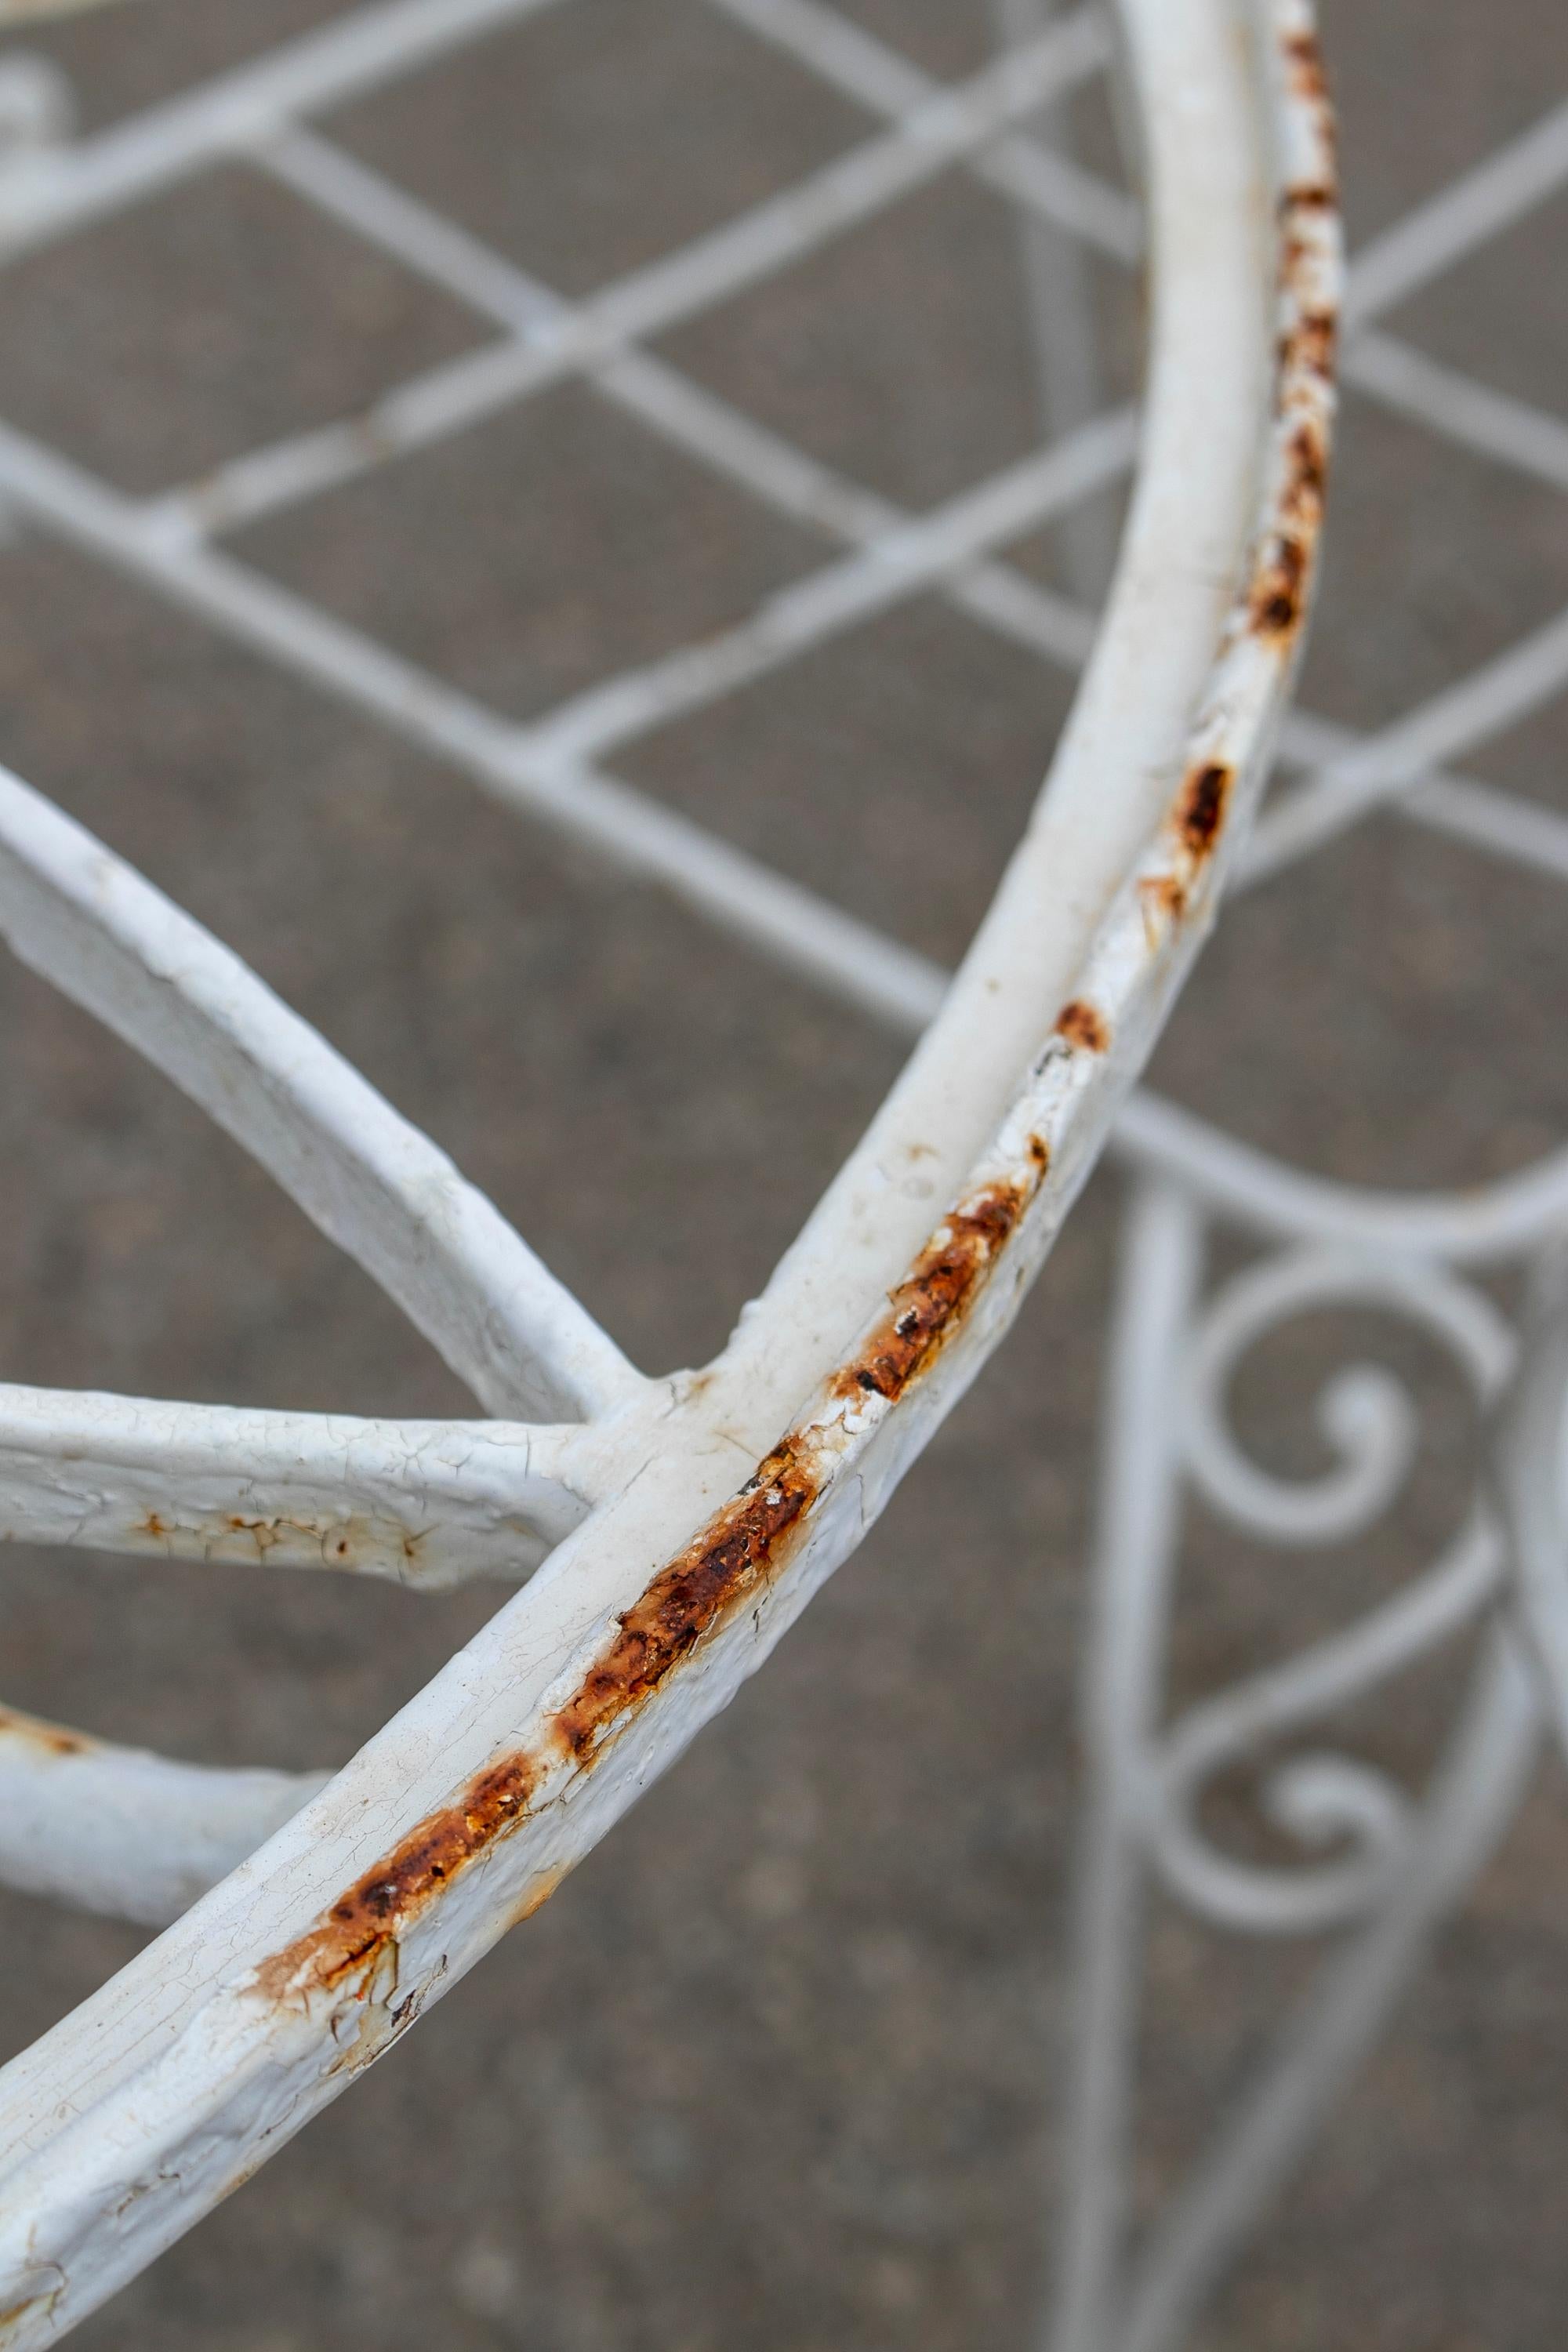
{"points": [[781, 2064]]}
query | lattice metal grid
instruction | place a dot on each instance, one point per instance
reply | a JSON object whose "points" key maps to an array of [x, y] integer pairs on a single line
{"points": [[556, 765]]}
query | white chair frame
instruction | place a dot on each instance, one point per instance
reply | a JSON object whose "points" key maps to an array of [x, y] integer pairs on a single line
{"points": [[312, 1921]]}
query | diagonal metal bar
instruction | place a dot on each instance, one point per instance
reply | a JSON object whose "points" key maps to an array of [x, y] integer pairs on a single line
{"points": [[116, 1830], [1511, 432], [737, 893], [164, 144], [1496, 696], [831, 947], [373, 1183], [859, 67], [688, 415], [233, 114], [1439, 233], [1482, 816], [898, 564], [1461, 218], [999, 592], [891, 983], [742, 253], [200, 2059], [429, 1504], [723, 437], [35, 12], [694, 419], [770, 467]]}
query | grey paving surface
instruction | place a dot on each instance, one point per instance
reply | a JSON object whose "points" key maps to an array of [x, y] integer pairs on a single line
{"points": [[778, 2066]]}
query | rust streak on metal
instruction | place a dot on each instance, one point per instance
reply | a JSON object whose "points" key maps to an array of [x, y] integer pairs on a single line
{"points": [[339, 1538], [364, 1921], [49, 1738], [1278, 587], [1304, 62], [1084, 1025], [343, 1539], [930, 1302], [734, 1553], [1311, 344], [1308, 81], [1306, 478], [742, 1547], [1200, 812], [1164, 898]]}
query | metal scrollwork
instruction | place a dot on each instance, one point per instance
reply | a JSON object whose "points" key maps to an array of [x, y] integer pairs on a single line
{"points": [[1320, 1799]]}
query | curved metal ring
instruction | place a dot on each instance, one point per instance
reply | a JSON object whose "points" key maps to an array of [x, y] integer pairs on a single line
{"points": [[158, 2097]]}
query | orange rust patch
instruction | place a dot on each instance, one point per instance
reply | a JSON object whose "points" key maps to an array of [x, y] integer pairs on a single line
{"points": [[747, 1541], [1308, 196], [1201, 810], [735, 1552], [929, 1303], [738, 1550], [1306, 478], [360, 1925], [1310, 343], [1083, 1025], [1305, 59], [52, 1738], [1278, 588], [1164, 900]]}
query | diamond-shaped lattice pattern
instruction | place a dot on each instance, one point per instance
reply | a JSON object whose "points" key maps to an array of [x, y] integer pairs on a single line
{"points": [[502, 326]]}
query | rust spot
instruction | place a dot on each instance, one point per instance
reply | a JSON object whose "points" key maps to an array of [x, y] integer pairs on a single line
{"points": [[53, 1738], [735, 1552], [1305, 59], [1307, 196], [1164, 898], [1201, 810], [1306, 478], [1277, 591], [357, 1930], [154, 1527], [352, 1949], [1310, 343], [930, 1300], [1083, 1025]]}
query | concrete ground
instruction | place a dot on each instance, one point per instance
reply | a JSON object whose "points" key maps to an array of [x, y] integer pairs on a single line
{"points": [[779, 2066]]}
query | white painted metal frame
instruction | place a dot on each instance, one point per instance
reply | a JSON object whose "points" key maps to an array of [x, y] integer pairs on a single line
{"points": [[672, 1574], [263, 2003], [155, 2137]]}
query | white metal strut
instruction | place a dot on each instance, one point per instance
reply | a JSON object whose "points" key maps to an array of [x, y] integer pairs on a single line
{"points": [[673, 1570]]}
